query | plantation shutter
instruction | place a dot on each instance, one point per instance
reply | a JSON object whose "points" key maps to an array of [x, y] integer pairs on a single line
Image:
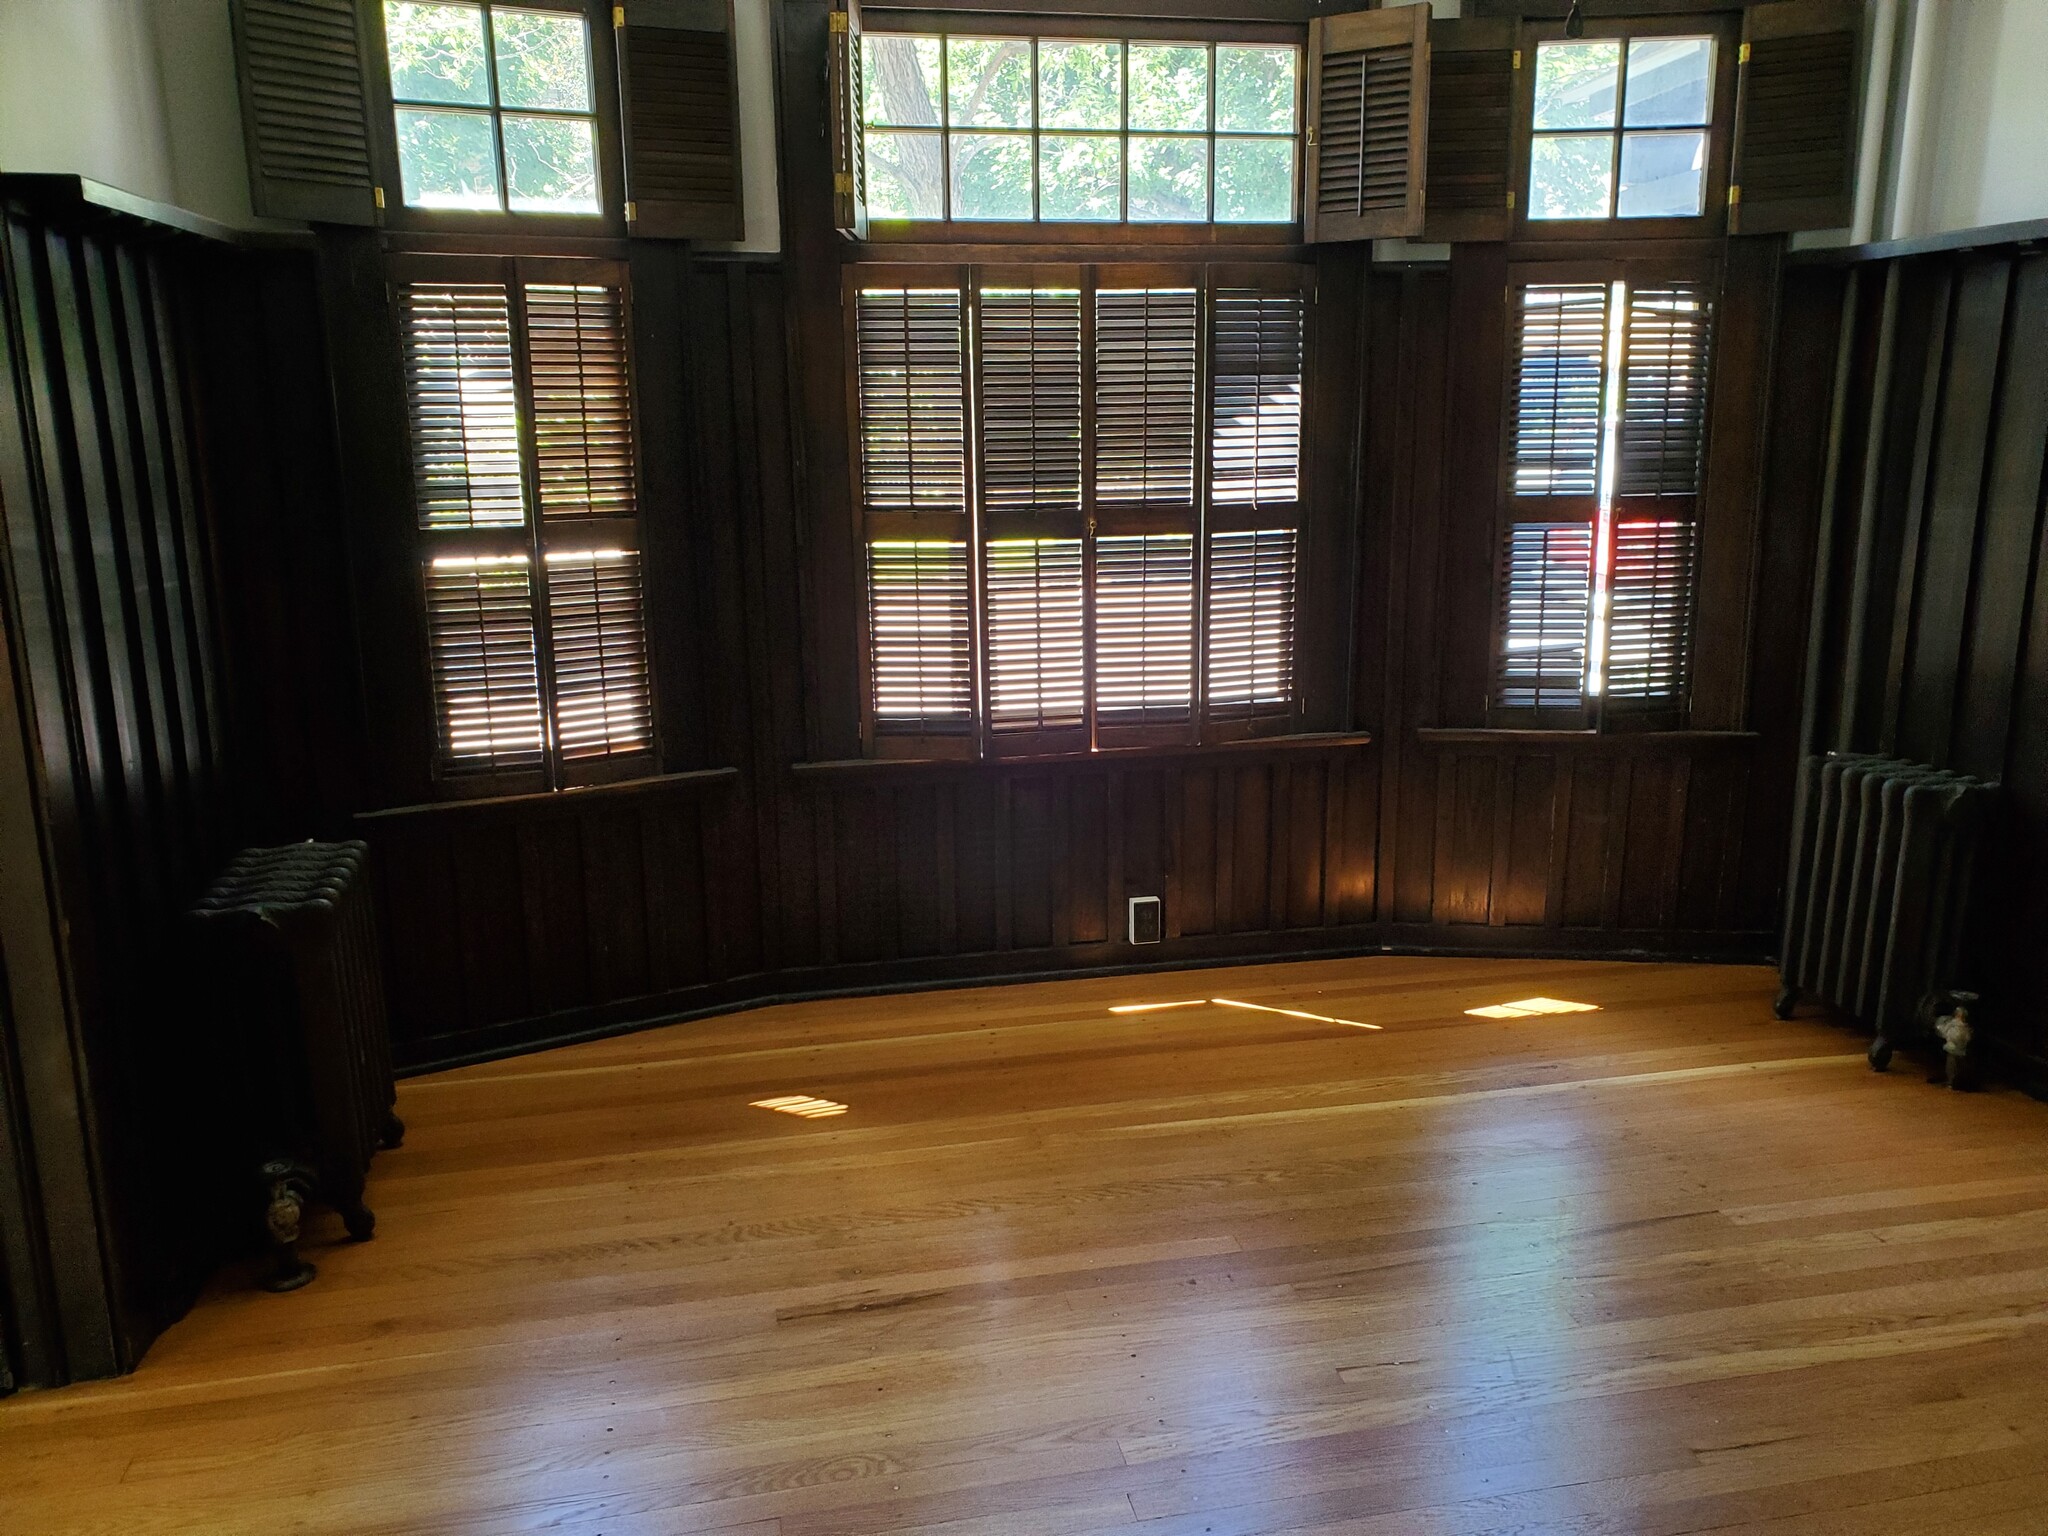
{"points": [[1656, 484], [1256, 367], [519, 401], [680, 99], [1546, 616], [849, 158], [1468, 193], [1795, 117], [1368, 123], [305, 119], [911, 383]]}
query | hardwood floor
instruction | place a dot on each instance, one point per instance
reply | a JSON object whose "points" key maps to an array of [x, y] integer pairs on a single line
{"points": [[1667, 1267]]}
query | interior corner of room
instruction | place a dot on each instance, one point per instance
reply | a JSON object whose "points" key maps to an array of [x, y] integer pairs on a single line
{"points": [[869, 621]]}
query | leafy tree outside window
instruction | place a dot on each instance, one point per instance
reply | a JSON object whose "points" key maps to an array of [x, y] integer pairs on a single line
{"points": [[493, 107]]}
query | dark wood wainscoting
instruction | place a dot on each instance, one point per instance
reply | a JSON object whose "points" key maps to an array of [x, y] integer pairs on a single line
{"points": [[1932, 637]]}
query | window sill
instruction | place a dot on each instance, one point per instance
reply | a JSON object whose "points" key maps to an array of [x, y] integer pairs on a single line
{"points": [[1251, 747], [1580, 739], [571, 798]]}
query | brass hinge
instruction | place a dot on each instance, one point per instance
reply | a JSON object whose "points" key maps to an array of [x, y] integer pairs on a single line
{"points": [[1511, 197], [618, 18], [1734, 195], [1311, 133], [1518, 58], [842, 183], [1742, 54], [377, 196], [632, 211], [838, 21]]}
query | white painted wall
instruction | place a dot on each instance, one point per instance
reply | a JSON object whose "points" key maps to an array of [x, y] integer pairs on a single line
{"points": [[754, 58], [1986, 125]]}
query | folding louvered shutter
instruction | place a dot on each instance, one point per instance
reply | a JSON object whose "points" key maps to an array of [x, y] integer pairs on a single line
{"points": [[519, 399], [680, 99], [1029, 356], [1558, 404], [849, 159], [1256, 360], [485, 663], [1649, 609], [305, 119], [1468, 195], [1035, 680], [911, 386], [1664, 391], [1795, 117], [1146, 340], [1546, 616], [1368, 123], [1144, 629]]}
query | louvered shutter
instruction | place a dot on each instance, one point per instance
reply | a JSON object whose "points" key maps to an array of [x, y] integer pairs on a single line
{"points": [[1795, 117], [485, 662], [1029, 354], [582, 401], [1467, 195], [462, 398], [1144, 629], [305, 117], [1035, 678], [1664, 391], [1368, 123], [1649, 610], [1146, 341], [597, 642], [1546, 616], [1256, 361], [849, 156], [1558, 402], [680, 100], [911, 383]]}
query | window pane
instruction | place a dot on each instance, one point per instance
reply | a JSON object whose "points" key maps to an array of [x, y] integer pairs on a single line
{"points": [[899, 80], [1663, 175], [436, 52], [906, 175], [1575, 84], [1169, 180], [988, 82], [1668, 80], [1254, 181], [551, 165], [543, 60], [1571, 176], [991, 176], [1255, 89], [1080, 85], [1169, 87], [447, 159], [1080, 177]]}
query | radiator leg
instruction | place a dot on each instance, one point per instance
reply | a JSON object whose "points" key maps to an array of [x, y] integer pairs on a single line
{"points": [[360, 1220], [1788, 999], [393, 1133], [288, 1186], [1880, 1054]]}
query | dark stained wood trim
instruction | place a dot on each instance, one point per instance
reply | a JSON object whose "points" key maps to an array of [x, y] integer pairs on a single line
{"points": [[572, 798], [1247, 748]]}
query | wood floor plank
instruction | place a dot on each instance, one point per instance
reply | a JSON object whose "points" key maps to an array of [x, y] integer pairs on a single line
{"points": [[1668, 1267]]}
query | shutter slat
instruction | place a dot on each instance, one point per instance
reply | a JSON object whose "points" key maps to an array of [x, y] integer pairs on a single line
{"points": [[1546, 616], [597, 639], [1563, 349], [1664, 391], [582, 400], [919, 658], [1650, 605], [1030, 355], [1145, 370], [1256, 421], [1144, 628], [1034, 634], [463, 404], [485, 665], [1249, 642], [913, 431]]}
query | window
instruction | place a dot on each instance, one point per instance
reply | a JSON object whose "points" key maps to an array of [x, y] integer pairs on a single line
{"points": [[493, 107], [1024, 129], [1620, 128], [1081, 495], [519, 401], [1600, 544]]}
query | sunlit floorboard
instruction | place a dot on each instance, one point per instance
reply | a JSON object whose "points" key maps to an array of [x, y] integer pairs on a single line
{"points": [[1005, 1262]]}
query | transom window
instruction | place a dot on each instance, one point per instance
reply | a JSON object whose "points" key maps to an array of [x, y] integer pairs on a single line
{"points": [[1621, 128], [1024, 129], [493, 107]]}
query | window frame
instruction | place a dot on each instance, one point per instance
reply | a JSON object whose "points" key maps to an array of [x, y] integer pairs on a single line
{"points": [[1090, 522], [508, 224], [1596, 713], [534, 535], [1167, 236], [1712, 220]]}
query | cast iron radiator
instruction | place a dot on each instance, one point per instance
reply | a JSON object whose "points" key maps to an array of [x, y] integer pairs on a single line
{"points": [[294, 976], [1882, 854]]}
